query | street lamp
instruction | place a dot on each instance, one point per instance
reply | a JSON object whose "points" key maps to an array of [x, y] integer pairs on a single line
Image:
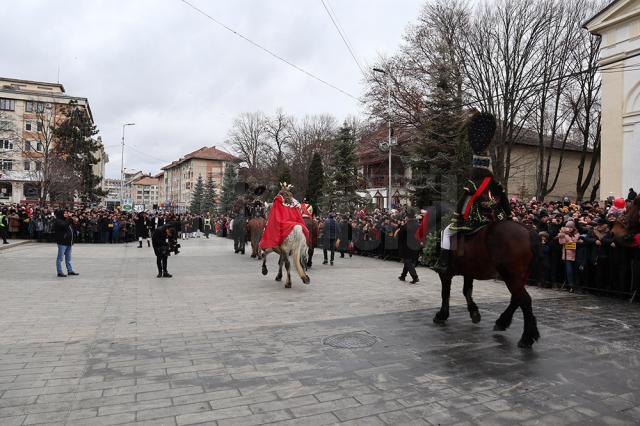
{"points": [[122, 166], [390, 144]]}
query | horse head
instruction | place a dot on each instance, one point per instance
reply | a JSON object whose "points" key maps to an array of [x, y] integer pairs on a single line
{"points": [[626, 225]]}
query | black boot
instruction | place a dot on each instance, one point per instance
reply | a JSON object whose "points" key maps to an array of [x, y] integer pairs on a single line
{"points": [[140, 244], [165, 274], [148, 243], [442, 266]]}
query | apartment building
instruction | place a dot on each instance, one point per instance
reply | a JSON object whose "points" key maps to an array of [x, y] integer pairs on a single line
{"points": [[181, 175], [28, 112], [145, 192]]}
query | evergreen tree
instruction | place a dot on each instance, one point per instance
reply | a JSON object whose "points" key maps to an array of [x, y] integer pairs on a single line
{"points": [[441, 158], [285, 174], [344, 179], [228, 196], [197, 196], [315, 181], [74, 143], [209, 199]]}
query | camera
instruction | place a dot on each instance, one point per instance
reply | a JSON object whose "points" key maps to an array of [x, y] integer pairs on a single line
{"points": [[174, 246]]}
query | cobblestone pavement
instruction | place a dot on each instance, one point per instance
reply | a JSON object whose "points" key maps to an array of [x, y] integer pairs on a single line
{"points": [[221, 344]]}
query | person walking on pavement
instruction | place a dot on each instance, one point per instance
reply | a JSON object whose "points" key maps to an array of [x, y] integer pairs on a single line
{"points": [[142, 232], [4, 226], [161, 247], [64, 239], [330, 230], [409, 247]]}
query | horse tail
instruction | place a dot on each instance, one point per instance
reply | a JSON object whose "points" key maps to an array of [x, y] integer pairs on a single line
{"points": [[299, 246], [536, 264]]}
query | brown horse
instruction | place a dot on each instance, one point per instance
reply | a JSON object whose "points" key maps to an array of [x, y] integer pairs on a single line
{"points": [[312, 227], [255, 228], [505, 248], [629, 224]]}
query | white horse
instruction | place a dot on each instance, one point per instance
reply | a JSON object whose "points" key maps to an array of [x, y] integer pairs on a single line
{"points": [[295, 246]]}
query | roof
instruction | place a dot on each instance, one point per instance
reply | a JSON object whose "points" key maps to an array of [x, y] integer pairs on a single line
{"points": [[145, 180], [204, 153], [42, 83], [607, 7]]}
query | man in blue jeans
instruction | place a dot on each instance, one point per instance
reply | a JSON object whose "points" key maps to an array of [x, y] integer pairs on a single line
{"points": [[64, 238]]}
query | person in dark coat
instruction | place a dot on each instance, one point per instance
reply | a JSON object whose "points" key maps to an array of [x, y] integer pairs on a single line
{"points": [[409, 247], [345, 235], [330, 231], [142, 232], [239, 232], [161, 247], [63, 231], [632, 195]]}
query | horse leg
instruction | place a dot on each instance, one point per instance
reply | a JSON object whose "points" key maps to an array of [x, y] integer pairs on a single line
{"points": [[280, 263], [530, 333], [310, 257], [504, 321], [297, 256], [467, 290], [443, 314], [287, 265], [264, 263]]}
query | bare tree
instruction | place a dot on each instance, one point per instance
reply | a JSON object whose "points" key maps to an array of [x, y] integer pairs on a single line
{"points": [[247, 137], [277, 128], [501, 63], [587, 107]]}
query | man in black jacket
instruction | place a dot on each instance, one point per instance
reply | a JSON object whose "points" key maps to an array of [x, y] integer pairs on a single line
{"points": [[64, 239], [161, 248], [409, 247]]}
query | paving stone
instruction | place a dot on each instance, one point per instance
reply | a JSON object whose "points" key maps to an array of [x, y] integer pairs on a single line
{"points": [[195, 349], [316, 420], [175, 410], [209, 416]]}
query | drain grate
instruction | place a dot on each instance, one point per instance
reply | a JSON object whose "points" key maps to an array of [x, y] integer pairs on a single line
{"points": [[353, 340]]}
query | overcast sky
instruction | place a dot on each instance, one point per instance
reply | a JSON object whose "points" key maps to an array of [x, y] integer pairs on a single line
{"points": [[180, 77]]}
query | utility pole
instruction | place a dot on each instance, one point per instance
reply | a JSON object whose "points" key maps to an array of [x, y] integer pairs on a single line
{"points": [[122, 166], [389, 143]]}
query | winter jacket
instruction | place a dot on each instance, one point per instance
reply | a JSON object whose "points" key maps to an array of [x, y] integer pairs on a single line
{"points": [[567, 241]]}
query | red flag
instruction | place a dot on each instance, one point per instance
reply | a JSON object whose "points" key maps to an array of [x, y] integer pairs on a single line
{"points": [[281, 221], [423, 229]]}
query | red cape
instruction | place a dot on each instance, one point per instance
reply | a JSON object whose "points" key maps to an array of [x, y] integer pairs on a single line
{"points": [[281, 221], [423, 229]]}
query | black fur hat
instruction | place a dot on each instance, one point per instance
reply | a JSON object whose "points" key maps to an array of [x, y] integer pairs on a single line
{"points": [[480, 131]]}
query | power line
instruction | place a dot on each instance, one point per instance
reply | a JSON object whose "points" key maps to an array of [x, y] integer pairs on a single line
{"points": [[270, 52], [132, 147], [343, 37]]}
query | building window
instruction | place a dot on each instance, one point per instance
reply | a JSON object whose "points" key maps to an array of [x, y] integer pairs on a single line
{"points": [[5, 190], [39, 126], [6, 165], [27, 146], [38, 166], [5, 145], [7, 104], [39, 146], [34, 106], [28, 125], [27, 165]]}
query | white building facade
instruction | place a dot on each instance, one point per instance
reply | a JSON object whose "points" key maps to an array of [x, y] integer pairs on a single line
{"points": [[619, 26]]}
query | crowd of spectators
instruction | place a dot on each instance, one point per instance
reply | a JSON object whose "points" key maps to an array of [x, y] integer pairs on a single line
{"points": [[578, 249]]}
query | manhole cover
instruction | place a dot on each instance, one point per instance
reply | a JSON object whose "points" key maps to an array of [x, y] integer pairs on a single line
{"points": [[358, 339]]}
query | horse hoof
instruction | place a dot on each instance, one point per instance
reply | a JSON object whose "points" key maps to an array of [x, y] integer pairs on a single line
{"points": [[306, 280], [524, 344], [279, 278], [475, 317], [497, 327], [439, 321], [264, 271], [287, 285]]}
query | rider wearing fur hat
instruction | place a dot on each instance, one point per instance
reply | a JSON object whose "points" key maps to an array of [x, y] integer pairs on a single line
{"points": [[484, 199]]}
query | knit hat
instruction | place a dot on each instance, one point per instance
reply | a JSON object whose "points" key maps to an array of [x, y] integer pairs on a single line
{"points": [[570, 224]]}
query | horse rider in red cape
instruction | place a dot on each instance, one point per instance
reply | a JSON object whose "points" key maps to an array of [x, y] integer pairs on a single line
{"points": [[484, 199], [283, 216]]}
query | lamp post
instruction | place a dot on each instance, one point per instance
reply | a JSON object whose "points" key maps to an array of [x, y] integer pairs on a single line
{"points": [[389, 142], [122, 166]]}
